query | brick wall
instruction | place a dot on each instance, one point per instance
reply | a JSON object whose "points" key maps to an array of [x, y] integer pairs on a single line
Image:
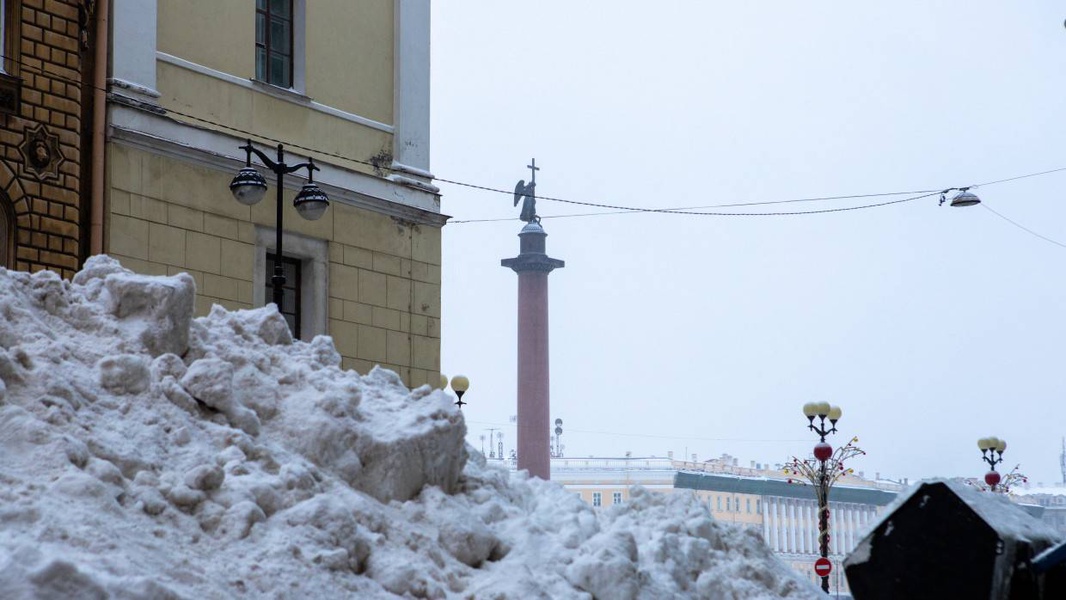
{"points": [[46, 201]]}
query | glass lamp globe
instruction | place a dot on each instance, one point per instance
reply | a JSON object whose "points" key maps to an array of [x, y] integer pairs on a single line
{"points": [[248, 187]]}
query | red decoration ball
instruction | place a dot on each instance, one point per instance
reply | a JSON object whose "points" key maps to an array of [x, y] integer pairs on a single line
{"points": [[992, 478], [822, 451]]}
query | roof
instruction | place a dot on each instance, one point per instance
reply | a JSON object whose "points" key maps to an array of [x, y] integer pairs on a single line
{"points": [[777, 487]]}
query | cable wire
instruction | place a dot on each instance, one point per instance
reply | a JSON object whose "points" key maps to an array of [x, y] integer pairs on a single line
{"points": [[615, 209], [1022, 227]]}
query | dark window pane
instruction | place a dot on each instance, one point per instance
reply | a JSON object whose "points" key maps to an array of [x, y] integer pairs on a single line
{"points": [[260, 29], [260, 4], [281, 8], [290, 299], [260, 64], [279, 70], [280, 37]]}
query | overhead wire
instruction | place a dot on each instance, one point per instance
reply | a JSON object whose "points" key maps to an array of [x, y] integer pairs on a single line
{"points": [[612, 209], [1020, 226]]}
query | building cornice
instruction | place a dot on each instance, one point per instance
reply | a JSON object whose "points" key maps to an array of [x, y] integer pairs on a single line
{"points": [[219, 152], [273, 91]]}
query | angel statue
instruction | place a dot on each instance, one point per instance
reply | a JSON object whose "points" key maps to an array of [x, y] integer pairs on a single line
{"points": [[527, 194]]}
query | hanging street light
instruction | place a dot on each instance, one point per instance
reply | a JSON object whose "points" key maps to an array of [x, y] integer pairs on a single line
{"points": [[249, 187], [964, 198]]}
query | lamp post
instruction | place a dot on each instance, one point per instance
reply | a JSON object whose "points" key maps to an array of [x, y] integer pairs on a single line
{"points": [[824, 479], [992, 453], [249, 187], [460, 383]]}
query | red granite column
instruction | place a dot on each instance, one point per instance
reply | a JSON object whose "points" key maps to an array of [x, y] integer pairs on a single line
{"points": [[533, 266], [533, 376]]}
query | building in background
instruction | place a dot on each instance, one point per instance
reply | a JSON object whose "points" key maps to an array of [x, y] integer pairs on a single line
{"points": [[121, 122], [758, 497]]}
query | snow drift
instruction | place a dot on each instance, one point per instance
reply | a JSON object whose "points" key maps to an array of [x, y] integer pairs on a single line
{"points": [[147, 454]]}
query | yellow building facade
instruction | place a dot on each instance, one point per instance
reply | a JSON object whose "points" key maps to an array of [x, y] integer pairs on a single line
{"points": [[343, 83]]}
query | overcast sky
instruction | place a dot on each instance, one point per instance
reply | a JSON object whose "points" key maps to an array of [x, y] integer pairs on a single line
{"points": [[931, 326]]}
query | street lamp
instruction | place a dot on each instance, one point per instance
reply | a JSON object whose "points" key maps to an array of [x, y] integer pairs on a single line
{"points": [[823, 479], [460, 383], [249, 187], [964, 198], [992, 453]]}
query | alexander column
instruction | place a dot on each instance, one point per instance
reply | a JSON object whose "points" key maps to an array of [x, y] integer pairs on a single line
{"points": [[533, 266]]}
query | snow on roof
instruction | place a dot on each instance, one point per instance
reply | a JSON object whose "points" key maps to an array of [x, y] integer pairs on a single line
{"points": [[1007, 518], [147, 454]]}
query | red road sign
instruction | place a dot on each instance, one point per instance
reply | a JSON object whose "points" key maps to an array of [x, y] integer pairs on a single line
{"points": [[822, 567]]}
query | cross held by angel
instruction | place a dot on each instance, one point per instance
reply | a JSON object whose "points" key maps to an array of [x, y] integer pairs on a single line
{"points": [[526, 193]]}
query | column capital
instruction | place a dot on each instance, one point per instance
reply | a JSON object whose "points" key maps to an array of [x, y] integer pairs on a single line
{"points": [[532, 255]]}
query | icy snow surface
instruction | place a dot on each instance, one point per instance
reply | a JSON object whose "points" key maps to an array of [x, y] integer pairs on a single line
{"points": [[147, 454]]}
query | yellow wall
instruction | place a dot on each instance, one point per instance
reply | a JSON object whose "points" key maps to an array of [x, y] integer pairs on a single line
{"points": [[167, 215], [735, 507], [352, 38], [219, 34], [355, 39]]}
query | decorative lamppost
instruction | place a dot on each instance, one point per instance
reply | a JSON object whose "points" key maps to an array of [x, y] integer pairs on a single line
{"points": [[822, 452], [249, 187], [557, 450], [992, 453], [460, 383], [822, 472]]}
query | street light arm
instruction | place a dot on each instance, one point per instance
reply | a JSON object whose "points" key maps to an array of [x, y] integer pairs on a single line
{"points": [[247, 147], [278, 167]]}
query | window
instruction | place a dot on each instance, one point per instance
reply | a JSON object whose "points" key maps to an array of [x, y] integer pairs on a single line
{"points": [[597, 499], [306, 292], [719, 504], [617, 498], [758, 507], [747, 503], [728, 504], [10, 16], [290, 300], [274, 42]]}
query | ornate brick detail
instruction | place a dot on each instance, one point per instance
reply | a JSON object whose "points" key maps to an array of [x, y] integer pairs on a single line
{"points": [[40, 151], [41, 147]]}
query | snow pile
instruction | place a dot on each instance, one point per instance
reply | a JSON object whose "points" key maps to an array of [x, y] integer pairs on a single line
{"points": [[146, 454]]}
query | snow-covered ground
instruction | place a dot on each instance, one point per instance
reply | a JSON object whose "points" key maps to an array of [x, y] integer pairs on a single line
{"points": [[147, 454]]}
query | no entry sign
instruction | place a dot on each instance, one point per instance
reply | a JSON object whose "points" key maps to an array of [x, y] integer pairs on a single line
{"points": [[822, 567]]}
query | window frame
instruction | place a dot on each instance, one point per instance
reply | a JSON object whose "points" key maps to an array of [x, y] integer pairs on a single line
{"points": [[313, 254], [616, 498], [597, 499], [297, 46], [10, 36], [295, 284]]}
